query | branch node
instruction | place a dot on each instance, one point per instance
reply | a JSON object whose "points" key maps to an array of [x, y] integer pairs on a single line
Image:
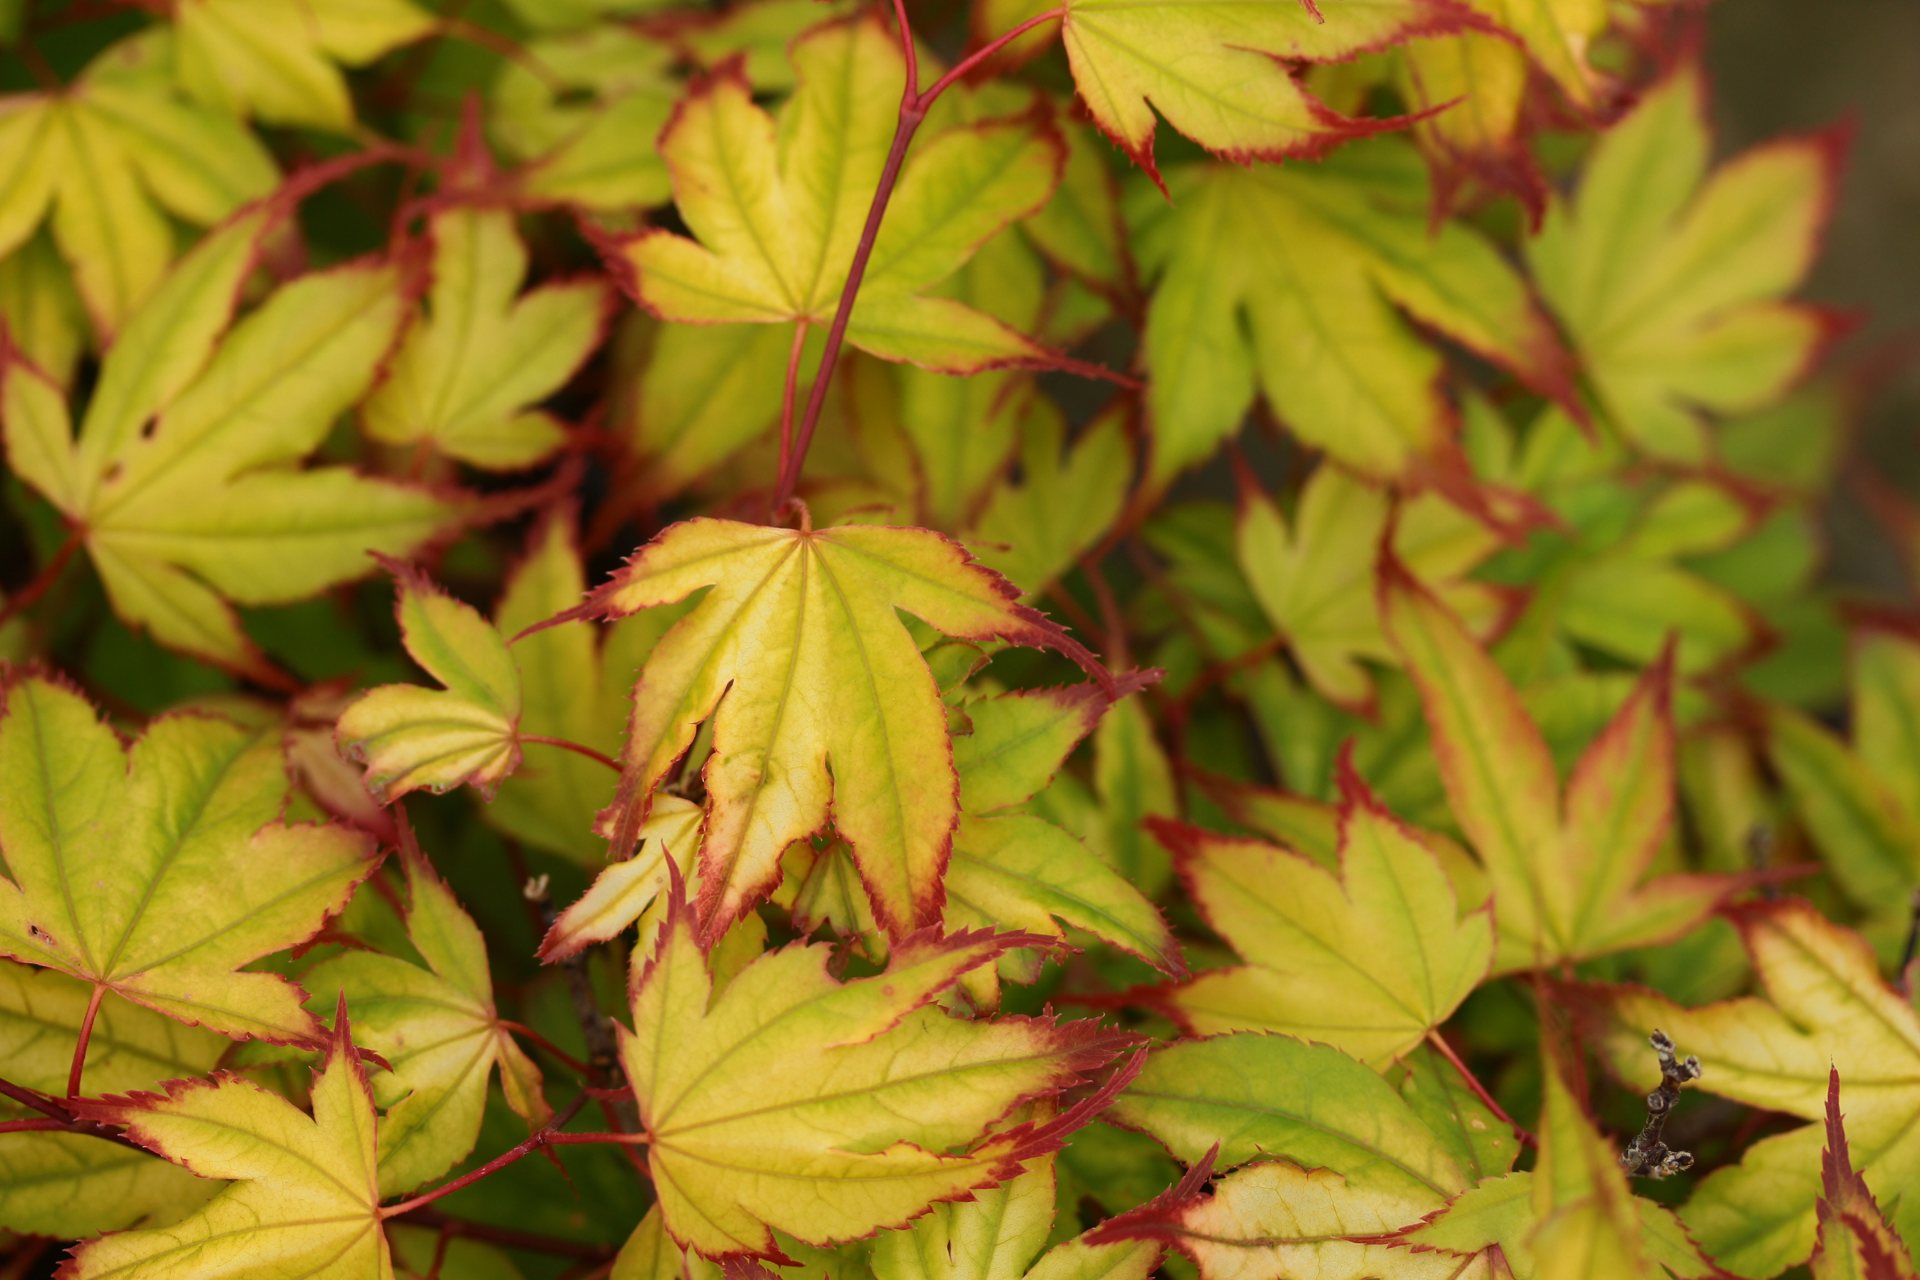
{"points": [[1648, 1155]]}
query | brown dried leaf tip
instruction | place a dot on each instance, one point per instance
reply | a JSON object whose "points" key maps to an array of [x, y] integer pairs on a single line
{"points": [[1648, 1156]]}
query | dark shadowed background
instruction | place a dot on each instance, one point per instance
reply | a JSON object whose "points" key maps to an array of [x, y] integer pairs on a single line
{"points": [[1792, 65]]}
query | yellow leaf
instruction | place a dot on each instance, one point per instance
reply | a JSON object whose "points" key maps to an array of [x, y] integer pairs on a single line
{"points": [[1216, 68], [468, 732], [777, 207], [438, 1030], [305, 1198], [1566, 870], [184, 480], [188, 874], [465, 377], [1368, 961], [794, 1102], [817, 695]]}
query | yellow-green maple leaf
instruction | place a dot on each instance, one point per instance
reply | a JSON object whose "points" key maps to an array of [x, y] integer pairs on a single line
{"points": [[1273, 278], [1314, 580], [184, 481], [598, 153], [818, 699], [1855, 1241], [1861, 802], [70, 1185], [1825, 1007], [280, 60], [777, 207], [1216, 68], [995, 1235], [790, 1101], [466, 376], [1670, 282], [106, 160], [1565, 865], [305, 1196], [438, 1030], [155, 874], [1369, 960], [467, 732]]}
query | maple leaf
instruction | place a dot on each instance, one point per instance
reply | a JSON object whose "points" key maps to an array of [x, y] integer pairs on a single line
{"points": [[1067, 498], [1565, 867], [155, 874], [1861, 803], [1369, 960], [181, 481], [598, 153], [464, 378], [1855, 1241], [573, 686], [816, 692], [1825, 1008], [40, 308], [278, 59], [1215, 70], [1320, 599], [1013, 869], [304, 1198], [793, 1102], [1669, 283], [69, 1185], [1269, 278], [466, 732], [775, 247], [996, 1234], [438, 1029], [108, 158], [626, 891]]}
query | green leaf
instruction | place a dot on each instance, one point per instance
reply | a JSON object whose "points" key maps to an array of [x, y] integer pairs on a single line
{"points": [[1566, 867], [1669, 282], [1315, 580], [1261, 1096], [598, 152], [1066, 499], [823, 1109], [1273, 278], [1216, 68], [777, 208], [465, 377], [1369, 960], [440, 1032], [279, 60], [467, 732], [106, 161], [184, 481], [798, 655], [157, 873], [303, 1198], [1861, 803]]}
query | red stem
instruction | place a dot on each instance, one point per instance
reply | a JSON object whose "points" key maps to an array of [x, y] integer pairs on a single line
{"points": [[34, 1126], [79, 1066], [1479, 1090], [48, 575], [575, 747], [913, 109], [786, 399], [548, 1135], [28, 1098], [541, 1042]]}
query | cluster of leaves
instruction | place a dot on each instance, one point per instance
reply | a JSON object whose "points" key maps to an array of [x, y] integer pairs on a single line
{"points": [[1165, 689]]}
